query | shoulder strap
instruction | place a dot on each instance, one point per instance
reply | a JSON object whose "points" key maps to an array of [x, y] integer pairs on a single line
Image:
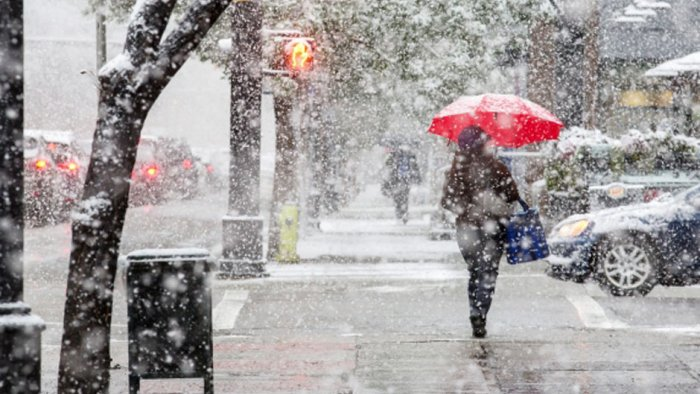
{"points": [[524, 204]]}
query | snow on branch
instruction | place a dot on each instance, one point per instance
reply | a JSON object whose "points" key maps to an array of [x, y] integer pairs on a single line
{"points": [[88, 212], [199, 17], [148, 59], [119, 64], [146, 28]]}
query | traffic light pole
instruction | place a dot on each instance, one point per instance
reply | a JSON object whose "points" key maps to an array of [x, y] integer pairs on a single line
{"points": [[284, 192], [297, 58], [318, 155], [243, 226], [20, 331]]}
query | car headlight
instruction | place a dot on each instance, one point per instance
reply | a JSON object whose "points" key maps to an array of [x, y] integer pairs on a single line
{"points": [[573, 229]]}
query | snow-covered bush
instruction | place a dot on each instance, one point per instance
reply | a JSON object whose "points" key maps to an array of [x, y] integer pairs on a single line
{"points": [[583, 156]]}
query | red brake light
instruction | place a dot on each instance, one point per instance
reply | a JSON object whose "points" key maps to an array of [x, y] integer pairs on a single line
{"points": [[70, 166], [41, 164], [210, 168], [151, 171], [186, 164], [651, 194]]}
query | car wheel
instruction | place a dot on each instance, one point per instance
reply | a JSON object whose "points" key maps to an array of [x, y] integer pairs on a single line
{"points": [[626, 266]]}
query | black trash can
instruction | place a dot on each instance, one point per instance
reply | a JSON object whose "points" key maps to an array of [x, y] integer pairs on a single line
{"points": [[20, 349], [169, 313]]}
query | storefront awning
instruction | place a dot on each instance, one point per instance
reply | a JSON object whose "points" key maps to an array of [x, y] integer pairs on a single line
{"points": [[673, 68]]}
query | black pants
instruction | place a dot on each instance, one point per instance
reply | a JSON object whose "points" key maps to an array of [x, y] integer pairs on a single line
{"points": [[482, 248], [401, 193]]}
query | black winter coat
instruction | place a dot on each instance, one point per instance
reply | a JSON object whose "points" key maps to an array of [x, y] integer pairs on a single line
{"points": [[479, 189]]}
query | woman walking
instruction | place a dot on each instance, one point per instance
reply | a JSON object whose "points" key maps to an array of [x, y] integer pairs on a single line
{"points": [[480, 191]]}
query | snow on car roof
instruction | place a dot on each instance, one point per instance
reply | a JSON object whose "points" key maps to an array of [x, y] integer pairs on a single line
{"points": [[646, 217], [57, 136]]}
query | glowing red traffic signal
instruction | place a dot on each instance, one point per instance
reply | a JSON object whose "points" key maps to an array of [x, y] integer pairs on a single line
{"points": [[299, 55]]}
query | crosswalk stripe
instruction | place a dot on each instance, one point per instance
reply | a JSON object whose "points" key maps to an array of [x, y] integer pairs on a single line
{"points": [[592, 314], [226, 311]]}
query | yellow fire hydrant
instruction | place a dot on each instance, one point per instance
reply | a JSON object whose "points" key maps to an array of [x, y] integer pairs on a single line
{"points": [[289, 234]]}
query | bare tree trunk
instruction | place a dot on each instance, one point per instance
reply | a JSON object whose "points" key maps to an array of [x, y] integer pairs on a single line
{"points": [[541, 83], [129, 87], [285, 180], [96, 237]]}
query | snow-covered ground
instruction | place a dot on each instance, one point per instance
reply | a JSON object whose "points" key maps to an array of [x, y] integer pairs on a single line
{"points": [[367, 230]]}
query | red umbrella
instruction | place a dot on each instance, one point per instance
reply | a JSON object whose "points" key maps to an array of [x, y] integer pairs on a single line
{"points": [[511, 121]]}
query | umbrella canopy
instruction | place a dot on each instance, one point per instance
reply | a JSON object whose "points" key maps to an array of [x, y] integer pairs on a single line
{"points": [[511, 121]]}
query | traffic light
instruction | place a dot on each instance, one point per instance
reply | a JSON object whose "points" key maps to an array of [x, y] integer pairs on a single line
{"points": [[299, 55]]}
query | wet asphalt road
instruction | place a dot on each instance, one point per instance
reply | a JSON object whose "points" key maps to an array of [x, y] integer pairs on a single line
{"points": [[391, 326]]}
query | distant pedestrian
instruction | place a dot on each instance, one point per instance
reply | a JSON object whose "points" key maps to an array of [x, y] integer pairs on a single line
{"points": [[480, 191], [402, 172]]}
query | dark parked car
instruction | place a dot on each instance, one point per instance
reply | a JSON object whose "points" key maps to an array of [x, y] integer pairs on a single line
{"points": [[42, 183], [181, 170], [147, 180], [630, 249], [68, 159]]}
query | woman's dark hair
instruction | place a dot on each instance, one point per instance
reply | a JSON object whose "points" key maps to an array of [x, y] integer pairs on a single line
{"points": [[472, 137]]}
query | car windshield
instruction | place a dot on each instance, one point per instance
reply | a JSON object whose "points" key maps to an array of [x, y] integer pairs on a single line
{"points": [[683, 196], [146, 152], [31, 147], [60, 152]]}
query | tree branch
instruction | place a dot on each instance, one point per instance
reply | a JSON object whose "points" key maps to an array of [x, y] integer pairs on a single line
{"points": [[146, 27], [177, 46]]}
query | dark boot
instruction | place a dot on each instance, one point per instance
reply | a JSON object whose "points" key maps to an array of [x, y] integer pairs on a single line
{"points": [[478, 326]]}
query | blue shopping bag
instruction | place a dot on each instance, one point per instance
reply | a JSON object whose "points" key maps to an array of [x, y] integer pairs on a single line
{"points": [[525, 237]]}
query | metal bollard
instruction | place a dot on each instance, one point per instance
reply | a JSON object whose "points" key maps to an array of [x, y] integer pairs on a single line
{"points": [[169, 314], [289, 234]]}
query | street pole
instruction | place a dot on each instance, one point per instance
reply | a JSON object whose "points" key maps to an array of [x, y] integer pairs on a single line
{"points": [[243, 226], [20, 331], [308, 218], [284, 193], [100, 39], [318, 158], [590, 68]]}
